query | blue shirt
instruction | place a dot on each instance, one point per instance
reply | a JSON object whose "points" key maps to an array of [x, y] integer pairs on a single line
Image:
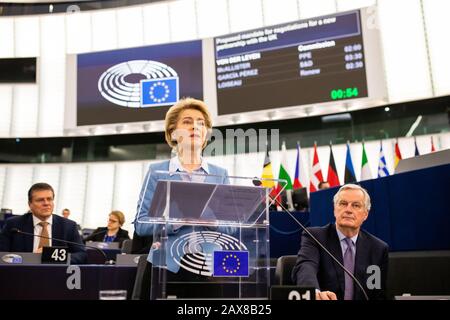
{"points": [[109, 238], [176, 166]]}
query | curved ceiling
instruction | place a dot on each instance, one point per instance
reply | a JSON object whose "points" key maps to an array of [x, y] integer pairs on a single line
{"points": [[30, 7]]}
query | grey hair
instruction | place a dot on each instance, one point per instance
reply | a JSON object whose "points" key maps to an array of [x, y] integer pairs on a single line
{"points": [[351, 186]]}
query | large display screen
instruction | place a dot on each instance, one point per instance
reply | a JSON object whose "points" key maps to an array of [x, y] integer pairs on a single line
{"points": [[137, 84], [304, 62]]}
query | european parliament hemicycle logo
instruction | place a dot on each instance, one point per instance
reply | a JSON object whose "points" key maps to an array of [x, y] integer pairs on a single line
{"points": [[196, 252], [159, 86], [230, 264]]}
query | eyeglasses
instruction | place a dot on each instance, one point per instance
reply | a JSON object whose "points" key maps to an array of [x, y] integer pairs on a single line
{"points": [[355, 205], [112, 221]]}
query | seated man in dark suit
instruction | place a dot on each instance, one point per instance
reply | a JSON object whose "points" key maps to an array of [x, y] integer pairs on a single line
{"points": [[113, 232], [354, 248], [42, 222]]}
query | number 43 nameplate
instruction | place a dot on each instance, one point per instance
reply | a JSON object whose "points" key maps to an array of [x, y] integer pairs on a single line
{"points": [[58, 255]]}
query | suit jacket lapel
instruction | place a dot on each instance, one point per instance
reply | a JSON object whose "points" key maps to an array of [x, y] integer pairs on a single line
{"points": [[57, 232], [336, 250], [362, 260], [28, 227]]}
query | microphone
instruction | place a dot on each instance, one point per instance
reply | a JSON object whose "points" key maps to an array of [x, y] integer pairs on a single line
{"points": [[324, 249], [16, 230], [256, 182]]}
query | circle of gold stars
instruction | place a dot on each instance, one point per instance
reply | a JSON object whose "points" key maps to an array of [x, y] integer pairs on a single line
{"points": [[238, 262]]}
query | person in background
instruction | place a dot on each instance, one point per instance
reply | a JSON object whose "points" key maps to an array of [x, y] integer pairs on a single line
{"points": [[45, 225], [65, 213], [113, 232], [324, 185]]}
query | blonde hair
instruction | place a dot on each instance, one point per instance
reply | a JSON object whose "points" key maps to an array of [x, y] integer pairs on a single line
{"points": [[119, 215], [173, 115]]}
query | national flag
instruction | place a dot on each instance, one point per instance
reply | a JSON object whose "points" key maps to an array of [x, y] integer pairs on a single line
{"points": [[349, 171], [230, 264], [332, 177], [283, 173], [432, 145], [299, 170], [267, 171], [416, 150], [365, 169], [382, 168], [159, 92], [316, 174], [398, 155]]}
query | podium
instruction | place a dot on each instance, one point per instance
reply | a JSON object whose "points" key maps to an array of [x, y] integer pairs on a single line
{"points": [[210, 236]]}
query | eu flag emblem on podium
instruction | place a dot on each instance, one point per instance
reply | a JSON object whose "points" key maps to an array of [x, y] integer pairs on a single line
{"points": [[159, 92], [230, 264]]}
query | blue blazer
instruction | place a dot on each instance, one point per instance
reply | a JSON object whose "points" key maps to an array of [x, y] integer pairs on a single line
{"points": [[217, 175], [314, 268], [62, 228]]}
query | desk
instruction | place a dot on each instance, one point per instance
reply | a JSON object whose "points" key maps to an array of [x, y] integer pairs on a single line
{"points": [[50, 281]]}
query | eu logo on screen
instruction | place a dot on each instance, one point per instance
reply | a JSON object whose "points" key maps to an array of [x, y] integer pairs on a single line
{"points": [[159, 92], [230, 264]]}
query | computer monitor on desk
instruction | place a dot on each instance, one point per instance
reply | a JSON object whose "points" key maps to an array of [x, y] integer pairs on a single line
{"points": [[127, 259], [5, 213], [299, 199], [104, 245]]}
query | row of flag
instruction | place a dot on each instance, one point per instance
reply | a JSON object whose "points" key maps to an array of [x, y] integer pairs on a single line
{"points": [[332, 178]]}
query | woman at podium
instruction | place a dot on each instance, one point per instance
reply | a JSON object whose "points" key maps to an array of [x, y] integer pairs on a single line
{"points": [[187, 125]]}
